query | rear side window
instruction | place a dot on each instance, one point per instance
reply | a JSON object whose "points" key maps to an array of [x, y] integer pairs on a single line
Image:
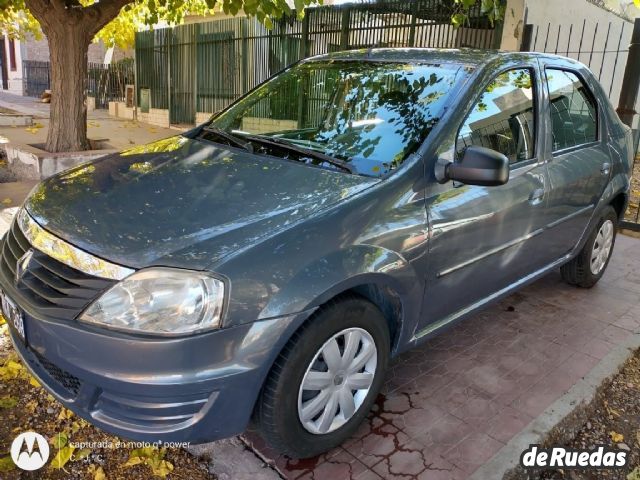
{"points": [[503, 119], [573, 110]]}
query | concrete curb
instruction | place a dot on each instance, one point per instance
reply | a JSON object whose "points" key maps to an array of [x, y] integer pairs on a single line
{"points": [[15, 120], [561, 420], [230, 459], [6, 216]]}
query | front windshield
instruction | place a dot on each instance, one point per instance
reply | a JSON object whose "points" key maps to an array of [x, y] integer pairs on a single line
{"points": [[371, 115]]}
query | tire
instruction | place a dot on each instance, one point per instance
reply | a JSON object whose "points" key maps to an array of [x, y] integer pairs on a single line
{"points": [[279, 411], [585, 271]]}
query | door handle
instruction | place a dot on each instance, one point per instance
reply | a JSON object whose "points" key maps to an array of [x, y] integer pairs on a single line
{"points": [[536, 196], [605, 169]]}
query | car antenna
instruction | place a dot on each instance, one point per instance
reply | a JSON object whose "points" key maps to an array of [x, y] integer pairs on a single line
{"points": [[370, 49]]}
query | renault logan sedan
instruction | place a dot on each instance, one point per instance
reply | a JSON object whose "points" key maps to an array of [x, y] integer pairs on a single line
{"points": [[267, 264]]}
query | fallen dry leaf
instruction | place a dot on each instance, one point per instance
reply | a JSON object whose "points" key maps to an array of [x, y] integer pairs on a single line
{"points": [[616, 437], [8, 402], [64, 414], [97, 472], [84, 453], [62, 457], [6, 464], [634, 475]]}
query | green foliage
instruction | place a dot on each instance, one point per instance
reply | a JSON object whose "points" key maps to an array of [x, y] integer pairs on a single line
{"points": [[17, 21], [493, 9]]}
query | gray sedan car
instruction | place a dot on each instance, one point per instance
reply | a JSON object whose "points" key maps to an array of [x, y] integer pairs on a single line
{"points": [[266, 265]]}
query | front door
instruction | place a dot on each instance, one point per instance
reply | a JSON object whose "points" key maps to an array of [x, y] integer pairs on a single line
{"points": [[482, 237], [578, 158]]}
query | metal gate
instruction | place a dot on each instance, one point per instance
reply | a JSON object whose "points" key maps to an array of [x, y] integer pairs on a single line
{"points": [[104, 82], [35, 77]]}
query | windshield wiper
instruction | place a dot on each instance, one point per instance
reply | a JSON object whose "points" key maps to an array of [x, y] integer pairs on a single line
{"points": [[229, 137], [300, 150]]}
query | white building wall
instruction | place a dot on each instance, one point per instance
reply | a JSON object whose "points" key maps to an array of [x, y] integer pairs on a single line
{"points": [[14, 76], [513, 24]]}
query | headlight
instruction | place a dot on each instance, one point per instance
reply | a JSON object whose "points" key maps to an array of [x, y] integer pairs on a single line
{"points": [[165, 301]]}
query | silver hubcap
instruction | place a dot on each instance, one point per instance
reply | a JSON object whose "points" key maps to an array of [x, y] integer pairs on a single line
{"points": [[337, 380], [602, 247]]}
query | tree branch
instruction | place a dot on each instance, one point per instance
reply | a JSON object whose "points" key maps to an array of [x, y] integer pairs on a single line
{"points": [[39, 9], [101, 13]]}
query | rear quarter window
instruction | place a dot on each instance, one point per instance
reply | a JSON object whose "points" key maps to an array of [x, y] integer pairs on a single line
{"points": [[574, 114]]}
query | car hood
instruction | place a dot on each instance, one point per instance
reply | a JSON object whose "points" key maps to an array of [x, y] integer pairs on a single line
{"points": [[182, 202]]}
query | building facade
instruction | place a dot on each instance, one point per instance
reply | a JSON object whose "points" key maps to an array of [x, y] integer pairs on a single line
{"points": [[15, 52]]}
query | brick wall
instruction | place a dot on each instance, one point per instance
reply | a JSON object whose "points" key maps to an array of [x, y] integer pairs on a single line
{"points": [[155, 116], [39, 50], [36, 49]]}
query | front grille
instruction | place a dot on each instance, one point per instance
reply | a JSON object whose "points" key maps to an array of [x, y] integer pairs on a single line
{"points": [[53, 288], [70, 382]]}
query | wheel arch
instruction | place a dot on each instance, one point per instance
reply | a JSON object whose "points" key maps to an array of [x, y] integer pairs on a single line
{"points": [[381, 293], [619, 203], [375, 273]]}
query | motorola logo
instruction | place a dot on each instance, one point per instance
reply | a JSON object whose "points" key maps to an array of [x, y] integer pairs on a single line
{"points": [[30, 451]]}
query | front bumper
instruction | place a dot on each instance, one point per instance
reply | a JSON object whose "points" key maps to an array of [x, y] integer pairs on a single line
{"points": [[197, 389]]}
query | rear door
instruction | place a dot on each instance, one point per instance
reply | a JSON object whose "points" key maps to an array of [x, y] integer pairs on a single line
{"points": [[576, 154], [482, 239]]}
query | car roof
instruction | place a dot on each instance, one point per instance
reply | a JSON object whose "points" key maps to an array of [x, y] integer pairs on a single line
{"points": [[470, 57]]}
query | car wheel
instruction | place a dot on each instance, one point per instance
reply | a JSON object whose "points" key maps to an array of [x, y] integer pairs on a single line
{"points": [[326, 379], [589, 265]]}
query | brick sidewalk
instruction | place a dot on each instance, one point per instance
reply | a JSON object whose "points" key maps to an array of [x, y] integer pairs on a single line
{"points": [[448, 406]]}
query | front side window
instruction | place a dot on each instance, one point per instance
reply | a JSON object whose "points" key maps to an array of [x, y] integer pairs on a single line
{"points": [[371, 115], [573, 110], [503, 119]]}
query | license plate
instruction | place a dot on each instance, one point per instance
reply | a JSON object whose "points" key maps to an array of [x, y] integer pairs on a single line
{"points": [[12, 314]]}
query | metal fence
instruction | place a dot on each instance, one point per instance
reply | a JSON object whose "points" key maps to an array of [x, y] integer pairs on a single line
{"points": [[604, 48], [107, 83], [104, 82], [203, 67]]}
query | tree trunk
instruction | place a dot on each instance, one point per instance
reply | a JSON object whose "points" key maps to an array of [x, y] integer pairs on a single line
{"points": [[70, 27], [68, 46]]}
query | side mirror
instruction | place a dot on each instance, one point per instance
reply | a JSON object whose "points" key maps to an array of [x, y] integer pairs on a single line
{"points": [[478, 166]]}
